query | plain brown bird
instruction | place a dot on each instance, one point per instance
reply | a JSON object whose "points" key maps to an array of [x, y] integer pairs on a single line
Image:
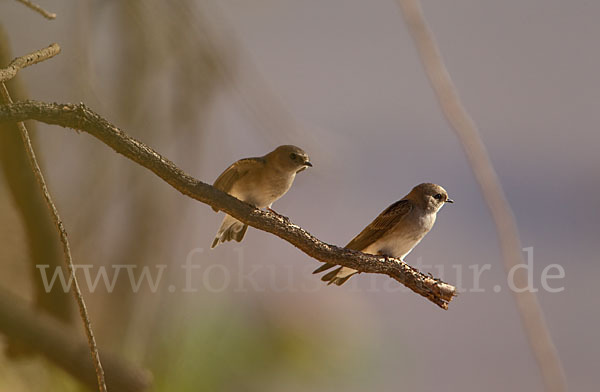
{"points": [[396, 231], [260, 182]]}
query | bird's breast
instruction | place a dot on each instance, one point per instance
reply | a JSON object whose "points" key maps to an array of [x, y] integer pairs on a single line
{"points": [[263, 191], [401, 240], [394, 246]]}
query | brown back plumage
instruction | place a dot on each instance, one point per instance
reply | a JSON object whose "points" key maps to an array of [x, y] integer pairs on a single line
{"points": [[376, 229], [236, 171]]}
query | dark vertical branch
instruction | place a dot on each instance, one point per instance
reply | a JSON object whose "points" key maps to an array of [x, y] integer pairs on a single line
{"points": [[6, 99], [65, 243], [43, 243]]}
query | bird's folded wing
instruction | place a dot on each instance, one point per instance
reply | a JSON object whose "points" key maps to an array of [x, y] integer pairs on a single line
{"points": [[236, 171], [389, 218]]}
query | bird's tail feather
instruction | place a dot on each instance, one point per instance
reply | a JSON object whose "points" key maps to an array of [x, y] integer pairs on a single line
{"points": [[338, 276], [231, 229], [324, 267]]}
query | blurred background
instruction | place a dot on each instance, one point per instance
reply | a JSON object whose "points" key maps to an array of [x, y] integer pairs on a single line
{"points": [[208, 82]]}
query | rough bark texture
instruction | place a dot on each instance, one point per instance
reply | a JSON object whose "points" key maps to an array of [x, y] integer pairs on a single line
{"points": [[79, 117], [27, 60]]}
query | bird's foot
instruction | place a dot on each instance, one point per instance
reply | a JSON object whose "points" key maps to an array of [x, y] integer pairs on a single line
{"points": [[385, 257], [285, 218]]}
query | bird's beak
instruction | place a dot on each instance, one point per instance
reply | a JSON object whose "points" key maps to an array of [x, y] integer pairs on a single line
{"points": [[449, 201], [307, 163]]}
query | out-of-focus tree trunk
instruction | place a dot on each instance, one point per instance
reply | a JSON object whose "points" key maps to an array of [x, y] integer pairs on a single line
{"points": [[158, 38], [40, 234]]}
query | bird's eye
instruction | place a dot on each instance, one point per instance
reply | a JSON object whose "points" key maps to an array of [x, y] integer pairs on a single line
{"points": [[293, 156], [438, 196]]}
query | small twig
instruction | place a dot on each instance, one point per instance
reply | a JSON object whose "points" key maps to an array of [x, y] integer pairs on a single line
{"points": [[27, 60], [39, 9], [529, 308], [80, 117], [65, 243]]}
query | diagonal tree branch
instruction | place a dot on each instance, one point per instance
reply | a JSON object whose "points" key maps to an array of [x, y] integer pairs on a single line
{"points": [[79, 117]]}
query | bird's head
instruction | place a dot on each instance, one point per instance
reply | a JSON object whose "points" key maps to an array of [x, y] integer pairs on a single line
{"points": [[291, 158], [430, 196]]}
